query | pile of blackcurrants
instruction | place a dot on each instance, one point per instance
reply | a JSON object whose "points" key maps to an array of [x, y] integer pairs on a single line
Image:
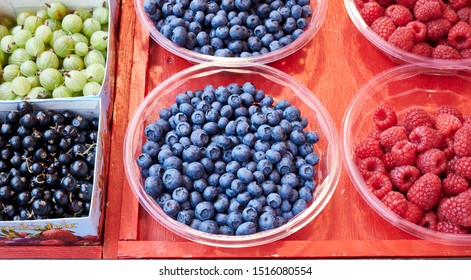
{"points": [[230, 28], [230, 160], [47, 160]]}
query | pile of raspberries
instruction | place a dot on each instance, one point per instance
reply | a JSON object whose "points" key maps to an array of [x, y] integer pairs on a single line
{"points": [[431, 28], [420, 166]]}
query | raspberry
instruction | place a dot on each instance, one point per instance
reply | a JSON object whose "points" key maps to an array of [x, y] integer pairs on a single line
{"points": [[465, 54], [451, 168], [419, 29], [384, 117], [447, 124], [400, 15], [379, 184], [416, 117], [454, 184], [409, 4], [384, 27], [403, 177], [392, 135], [385, 3], [425, 138], [462, 141], [371, 11], [449, 227], [457, 4], [359, 3], [432, 161], [437, 29], [422, 49], [447, 148], [464, 14], [445, 52], [462, 167], [375, 134], [429, 220], [457, 209], [425, 192], [459, 36], [370, 166], [448, 109], [369, 148], [396, 202], [467, 121], [404, 153], [388, 161], [425, 10], [402, 38], [450, 15], [413, 213]]}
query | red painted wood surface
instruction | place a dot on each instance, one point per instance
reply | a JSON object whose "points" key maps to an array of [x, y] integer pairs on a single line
{"points": [[334, 65]]}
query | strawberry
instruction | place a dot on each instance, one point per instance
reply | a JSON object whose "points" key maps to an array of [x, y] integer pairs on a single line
{"points": [[59, 234]]}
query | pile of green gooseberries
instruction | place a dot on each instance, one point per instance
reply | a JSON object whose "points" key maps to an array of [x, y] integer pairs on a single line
{"points": [[53, 52]]}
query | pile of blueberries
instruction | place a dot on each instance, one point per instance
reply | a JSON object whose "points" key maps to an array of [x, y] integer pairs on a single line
{"points": [[229, 160], [47, 160], [230, 28]]}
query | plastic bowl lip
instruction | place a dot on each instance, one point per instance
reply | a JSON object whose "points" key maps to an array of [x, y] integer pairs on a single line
{"points": [[315, 24], [359, 182], [328, 185], [397, 53]]}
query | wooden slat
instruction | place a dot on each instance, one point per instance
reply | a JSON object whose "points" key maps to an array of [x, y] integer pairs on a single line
{"points": [[116, 177], [292, 249], [51, 252]]}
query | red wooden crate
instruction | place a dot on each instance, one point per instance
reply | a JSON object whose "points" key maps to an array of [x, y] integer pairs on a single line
{"points": [[333, 66]]}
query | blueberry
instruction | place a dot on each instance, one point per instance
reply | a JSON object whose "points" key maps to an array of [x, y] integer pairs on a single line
{"points": [[144, 160], [293, 196], [180, 195], [163, 155], [305, 149], [312, 158], [287, 215], [153, 186], [221, 203], [151, 148], [234, 101], [260, 31], [195, 171], [226, 230], [246, 228], [219, 167], [233, 167], [208, 226], [292, 114], [237, 186], [237, 46], [153, 132], [266, 221], [192, 154], [210, 193], [241, 153], [284, 191], [264, 132], [171, 208], [299, 206], [274, 200], [251, 166], [254, 189], [249, 214], [195, 224], [306, 172], [199, 138], [267, 39], [186, 216], [285, 166], [242, 128], [301, 23], [198, 5], [305, 194], [204, 211], [220, 219], [265, 166], [172, 179], [243, 5], [262, 10], [211, 128]]}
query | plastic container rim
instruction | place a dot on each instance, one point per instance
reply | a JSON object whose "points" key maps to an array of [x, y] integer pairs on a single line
{"points": [[397, 53], [315, 24], [328, 185], [359, 182]]}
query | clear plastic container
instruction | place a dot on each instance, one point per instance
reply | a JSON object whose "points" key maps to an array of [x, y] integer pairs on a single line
{"points": [[398, 55], [319, 11], [275, 83], [401, 88]]}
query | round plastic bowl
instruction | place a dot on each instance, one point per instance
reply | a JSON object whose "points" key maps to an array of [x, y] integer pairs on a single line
{"points": [[319, 11], [401, 88], [275, 83], [396, 54]]}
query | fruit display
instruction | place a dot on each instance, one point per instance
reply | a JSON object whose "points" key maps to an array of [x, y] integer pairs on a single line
{"points": [[419, 166], [230, 160], [53, 53], [230, 28], [47, 164], [429, 28]]}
